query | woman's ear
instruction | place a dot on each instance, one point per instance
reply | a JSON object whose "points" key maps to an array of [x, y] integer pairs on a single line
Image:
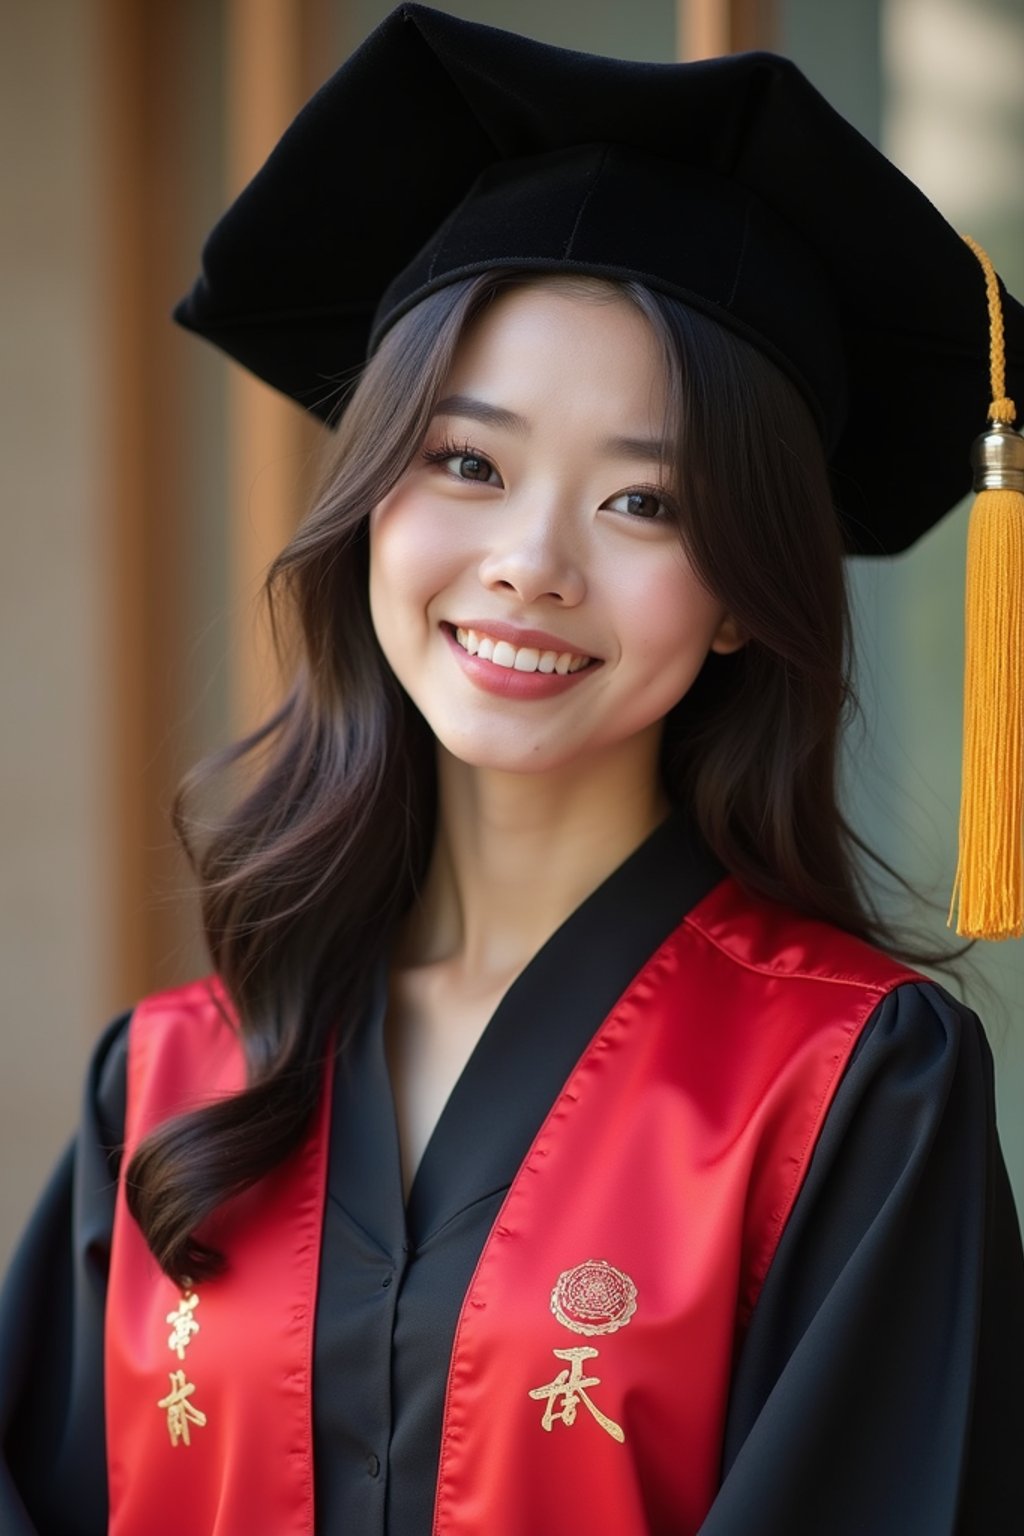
{"points": [[729, 637]]}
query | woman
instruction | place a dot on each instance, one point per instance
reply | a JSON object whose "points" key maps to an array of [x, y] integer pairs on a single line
{"points": [[557, 1142]]}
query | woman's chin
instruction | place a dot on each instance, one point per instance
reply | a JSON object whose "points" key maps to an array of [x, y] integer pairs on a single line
{"points": [[513, 752], [556, 756]]}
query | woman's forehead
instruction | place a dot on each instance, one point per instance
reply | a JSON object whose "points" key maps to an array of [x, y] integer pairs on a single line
{"points": [[557, 346]]}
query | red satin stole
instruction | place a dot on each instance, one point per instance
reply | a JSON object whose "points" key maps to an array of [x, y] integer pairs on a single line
{"points": [[590, 1372], [249, 1467]]}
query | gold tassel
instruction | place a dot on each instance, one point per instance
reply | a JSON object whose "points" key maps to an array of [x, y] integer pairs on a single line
{"points": [[989, 883]]}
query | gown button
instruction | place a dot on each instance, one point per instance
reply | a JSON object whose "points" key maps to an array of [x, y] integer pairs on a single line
{"points": [[387, 1281], [373, 1464]]}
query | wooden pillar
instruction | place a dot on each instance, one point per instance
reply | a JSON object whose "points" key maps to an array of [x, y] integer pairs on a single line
{"points": [[272, 50], [142, 132], [707, 28], [270, 440]]}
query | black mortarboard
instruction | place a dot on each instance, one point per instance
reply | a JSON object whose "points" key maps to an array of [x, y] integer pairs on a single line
{"points": [[443, 147]]}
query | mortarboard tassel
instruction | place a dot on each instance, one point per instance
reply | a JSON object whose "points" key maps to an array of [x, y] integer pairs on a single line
{"points": [[989, 883]]}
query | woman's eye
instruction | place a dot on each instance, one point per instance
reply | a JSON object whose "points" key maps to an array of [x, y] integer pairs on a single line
{"points": [[464, 464], [644, 504], [471, 466]]}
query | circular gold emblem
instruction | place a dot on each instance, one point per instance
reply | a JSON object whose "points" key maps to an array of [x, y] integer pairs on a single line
{"points": [[595, 1297]]}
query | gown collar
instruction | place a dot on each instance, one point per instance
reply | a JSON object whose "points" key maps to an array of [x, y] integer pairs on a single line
{"points": [[530, 1045]]}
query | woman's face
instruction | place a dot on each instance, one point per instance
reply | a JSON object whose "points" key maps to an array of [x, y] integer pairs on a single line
{"points": [[527, 582]]}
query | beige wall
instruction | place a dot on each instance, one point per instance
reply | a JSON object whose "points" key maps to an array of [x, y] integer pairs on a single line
{"points": [[55, 875]]}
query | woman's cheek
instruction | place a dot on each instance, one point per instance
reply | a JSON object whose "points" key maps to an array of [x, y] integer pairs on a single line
{"points": [[403, 553], [417, 541], [668, 611]]}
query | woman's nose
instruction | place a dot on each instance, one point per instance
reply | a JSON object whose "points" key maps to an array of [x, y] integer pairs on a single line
{"points": [[536, 556]]}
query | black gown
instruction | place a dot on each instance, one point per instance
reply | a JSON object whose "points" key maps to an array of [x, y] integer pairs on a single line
{"points": [[878, 1391]]}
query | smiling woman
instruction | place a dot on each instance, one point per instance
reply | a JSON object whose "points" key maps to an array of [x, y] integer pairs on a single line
{"points": [[562, 1136]]}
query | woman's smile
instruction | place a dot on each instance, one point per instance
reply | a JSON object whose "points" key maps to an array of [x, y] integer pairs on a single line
{"points": [[524, 672], [526, 650]]}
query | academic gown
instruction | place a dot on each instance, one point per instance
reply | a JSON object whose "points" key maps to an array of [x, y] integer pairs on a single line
{"points": [[899, 1271]]}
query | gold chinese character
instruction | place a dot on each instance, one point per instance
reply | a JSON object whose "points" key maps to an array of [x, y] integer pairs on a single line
{"points": [[180, 1412], [183, 1325], [571, 1387]]}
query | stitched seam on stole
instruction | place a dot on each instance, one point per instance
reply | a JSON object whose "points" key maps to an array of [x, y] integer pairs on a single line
{"points": [[878, 989]]}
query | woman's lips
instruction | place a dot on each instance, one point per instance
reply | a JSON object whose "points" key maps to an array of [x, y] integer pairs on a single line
{"points": [[508, 682]]}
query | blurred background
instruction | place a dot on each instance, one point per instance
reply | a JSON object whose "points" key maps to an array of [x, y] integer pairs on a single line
{"points": [[146, 484]]}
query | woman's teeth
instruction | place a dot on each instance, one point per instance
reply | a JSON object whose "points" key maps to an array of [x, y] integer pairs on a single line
{"points": [[525, 659]]}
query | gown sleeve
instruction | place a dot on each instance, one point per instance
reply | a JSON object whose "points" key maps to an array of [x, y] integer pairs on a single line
{"points": [[52, 1445], [880, 1388]]}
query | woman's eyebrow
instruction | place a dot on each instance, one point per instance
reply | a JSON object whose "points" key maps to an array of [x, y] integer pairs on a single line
{"points": [[641, 448], [479, 410]]}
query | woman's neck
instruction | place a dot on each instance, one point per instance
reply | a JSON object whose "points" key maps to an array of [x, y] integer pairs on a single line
{"points": [[515, 854]]}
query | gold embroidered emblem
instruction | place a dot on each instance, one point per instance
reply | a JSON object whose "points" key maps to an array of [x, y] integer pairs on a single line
{"points": [[183, 1324], [571, 1386], [595, 1297], [180, 1411]]}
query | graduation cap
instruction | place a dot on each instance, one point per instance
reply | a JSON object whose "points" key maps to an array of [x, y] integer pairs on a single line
{"points": [[444, 148]]}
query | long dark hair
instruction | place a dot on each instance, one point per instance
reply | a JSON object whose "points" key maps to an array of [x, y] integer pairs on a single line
{"points": [[303, 879]]}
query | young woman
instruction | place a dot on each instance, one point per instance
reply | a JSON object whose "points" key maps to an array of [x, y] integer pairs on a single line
{"points": [[558, 1142]]}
